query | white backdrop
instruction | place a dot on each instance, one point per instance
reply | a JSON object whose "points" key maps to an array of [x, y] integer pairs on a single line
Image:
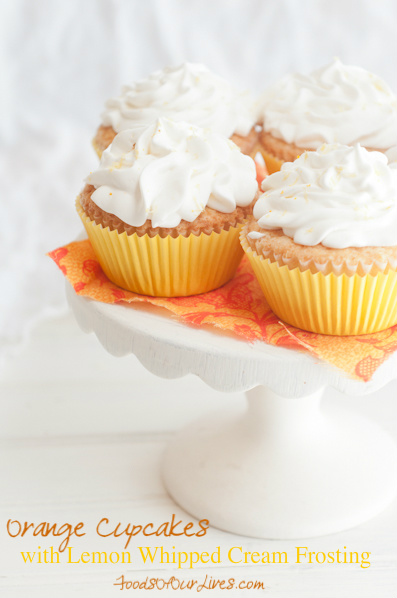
{"points": [[61, 60]]}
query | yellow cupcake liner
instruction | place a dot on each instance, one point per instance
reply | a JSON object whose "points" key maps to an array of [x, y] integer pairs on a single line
{"points": [[333, 304], [165, 267]]}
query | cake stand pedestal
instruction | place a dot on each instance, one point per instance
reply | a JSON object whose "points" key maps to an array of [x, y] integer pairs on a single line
{"points": [[283, 469]]}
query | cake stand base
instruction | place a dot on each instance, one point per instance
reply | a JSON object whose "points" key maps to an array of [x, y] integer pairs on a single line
{"points": [[284, 469]]}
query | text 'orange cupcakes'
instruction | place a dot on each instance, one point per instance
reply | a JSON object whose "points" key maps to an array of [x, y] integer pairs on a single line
{"points": [[323, 241], [163, 210]]}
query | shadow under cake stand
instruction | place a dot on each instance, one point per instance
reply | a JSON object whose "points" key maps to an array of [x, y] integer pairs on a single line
{"points": [[284, 469]]}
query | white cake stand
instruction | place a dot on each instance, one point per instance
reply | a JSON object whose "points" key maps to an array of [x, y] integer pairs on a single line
{"points": [[284, 469]]}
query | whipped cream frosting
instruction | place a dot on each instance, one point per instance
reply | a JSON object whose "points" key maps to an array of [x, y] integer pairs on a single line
{"points": [[171, 172], [338, 196], [391, 155], [334, 104], [189, 92]]}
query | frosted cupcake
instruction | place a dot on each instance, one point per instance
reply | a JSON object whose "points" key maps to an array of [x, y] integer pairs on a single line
{"points": [[163, 210], [323, 241], [189, 92], [335, 104]]}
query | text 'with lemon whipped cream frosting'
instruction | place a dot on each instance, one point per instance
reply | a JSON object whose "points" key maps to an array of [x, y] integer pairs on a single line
{"points": [[338, 196], [334, 104], [171, 172]]}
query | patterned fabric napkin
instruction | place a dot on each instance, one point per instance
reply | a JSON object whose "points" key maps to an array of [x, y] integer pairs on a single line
{"points": [[239, 307]]}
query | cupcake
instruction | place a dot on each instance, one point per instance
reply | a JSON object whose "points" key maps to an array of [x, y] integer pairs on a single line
{"points": [[164, 209], [335, 104], [189, 92], [323, 241]]}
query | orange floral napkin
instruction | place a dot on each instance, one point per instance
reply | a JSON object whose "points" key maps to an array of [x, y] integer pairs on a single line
{"points": [[238, 306]]}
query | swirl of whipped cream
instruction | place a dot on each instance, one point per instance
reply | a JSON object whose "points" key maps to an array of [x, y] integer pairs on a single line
{"points": [[189, 92], [391, 155], [171, 172], [338, 196], [334, 104]]}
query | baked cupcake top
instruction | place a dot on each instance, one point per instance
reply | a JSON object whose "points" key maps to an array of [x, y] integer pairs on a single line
{"points": [[334, 104], [337, 196], [171, 172], [189, 92]]}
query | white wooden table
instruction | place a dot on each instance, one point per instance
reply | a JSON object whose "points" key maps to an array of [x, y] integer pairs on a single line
{"points": [[82, 438]]}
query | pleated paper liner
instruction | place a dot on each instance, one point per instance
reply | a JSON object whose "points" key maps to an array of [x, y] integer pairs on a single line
{"points": [[165, 267], [327, 304]]}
